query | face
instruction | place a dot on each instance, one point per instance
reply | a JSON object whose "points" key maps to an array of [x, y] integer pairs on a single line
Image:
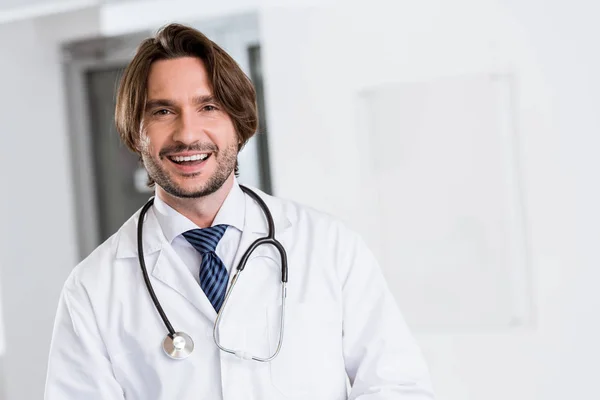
{"points": [[188, 142]]}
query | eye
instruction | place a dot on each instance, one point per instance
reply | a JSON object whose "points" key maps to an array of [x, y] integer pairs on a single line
{"points": [[209, 107], [162, 111]]}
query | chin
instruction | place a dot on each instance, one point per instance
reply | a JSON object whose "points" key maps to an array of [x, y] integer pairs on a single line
{"points": [[189, 191]]}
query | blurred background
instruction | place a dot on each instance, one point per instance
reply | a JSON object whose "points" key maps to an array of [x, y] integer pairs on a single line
{"points": [[459, 137]]}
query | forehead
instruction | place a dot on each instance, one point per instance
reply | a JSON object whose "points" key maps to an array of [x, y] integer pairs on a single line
{"points": [[178, 77]]}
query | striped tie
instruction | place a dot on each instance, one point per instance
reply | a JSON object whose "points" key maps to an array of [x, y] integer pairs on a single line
{"points": [[213, 274]]}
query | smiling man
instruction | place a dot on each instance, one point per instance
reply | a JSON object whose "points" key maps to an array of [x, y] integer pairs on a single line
{"points": [[185, 107], [180, 101]]}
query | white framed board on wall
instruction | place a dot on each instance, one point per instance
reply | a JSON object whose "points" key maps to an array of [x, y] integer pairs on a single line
{"points": [[449, 222]]}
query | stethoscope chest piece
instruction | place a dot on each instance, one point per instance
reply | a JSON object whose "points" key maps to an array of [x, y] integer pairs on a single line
{"points": [[179, 346]]}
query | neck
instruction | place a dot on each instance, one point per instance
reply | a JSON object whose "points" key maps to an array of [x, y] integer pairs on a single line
{"points": [[202, 210]]}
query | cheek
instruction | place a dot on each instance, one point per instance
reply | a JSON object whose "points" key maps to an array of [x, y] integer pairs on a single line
{"points": [[150, 139], [228, 135], [221, 129]]}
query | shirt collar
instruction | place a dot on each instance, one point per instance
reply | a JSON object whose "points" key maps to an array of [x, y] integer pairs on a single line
{"points": [[173, 224]]}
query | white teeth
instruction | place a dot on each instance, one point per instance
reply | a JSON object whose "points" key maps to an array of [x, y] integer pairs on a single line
{"points": [[195, 157]]}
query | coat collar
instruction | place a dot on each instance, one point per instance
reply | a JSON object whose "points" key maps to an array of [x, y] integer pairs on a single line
{"points": [[169, 268], [154, 238], [256, 220]]}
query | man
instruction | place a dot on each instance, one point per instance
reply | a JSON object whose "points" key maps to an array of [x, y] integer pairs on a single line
{"points": [[187, 109]]}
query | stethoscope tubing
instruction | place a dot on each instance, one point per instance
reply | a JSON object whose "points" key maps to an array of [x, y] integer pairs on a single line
{"points": [[142, 260], [269, 239]]}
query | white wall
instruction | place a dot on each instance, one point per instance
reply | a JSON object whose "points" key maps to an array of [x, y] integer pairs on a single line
{"points": [[315, 75], [565, 36], [316, 61], [37, 246]]}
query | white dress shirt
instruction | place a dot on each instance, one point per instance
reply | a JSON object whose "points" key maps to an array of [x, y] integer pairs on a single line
{"points": [[174, 224]]}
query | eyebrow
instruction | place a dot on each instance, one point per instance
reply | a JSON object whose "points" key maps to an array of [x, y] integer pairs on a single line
{"points": [[207, 98], [155, 103]]}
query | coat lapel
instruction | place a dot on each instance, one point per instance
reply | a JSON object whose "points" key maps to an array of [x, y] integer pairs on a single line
{"points": [[263, 267], [256, 227], [171, 271], [260, 282], [168, 268]]}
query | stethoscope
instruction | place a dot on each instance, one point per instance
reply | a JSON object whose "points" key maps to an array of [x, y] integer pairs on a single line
{"points": [[179, 345]]}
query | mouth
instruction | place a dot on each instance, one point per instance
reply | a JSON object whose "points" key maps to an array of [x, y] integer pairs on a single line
{"points": [[189, 164], [189, 160]]}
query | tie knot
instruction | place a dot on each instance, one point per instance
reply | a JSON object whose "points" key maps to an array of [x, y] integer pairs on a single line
{"points": [[205, 240]]}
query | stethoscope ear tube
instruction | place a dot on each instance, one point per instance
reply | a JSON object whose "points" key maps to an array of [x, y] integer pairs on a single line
{"points": [[157, 305], [264, 208], [284, 266], [278, 246], [269, 239]]}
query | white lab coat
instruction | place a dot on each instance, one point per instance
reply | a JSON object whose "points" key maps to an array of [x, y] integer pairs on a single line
{"points": [[341, 321]]}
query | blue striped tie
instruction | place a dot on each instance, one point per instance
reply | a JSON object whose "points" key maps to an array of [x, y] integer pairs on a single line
{"points": [[213, 274]]}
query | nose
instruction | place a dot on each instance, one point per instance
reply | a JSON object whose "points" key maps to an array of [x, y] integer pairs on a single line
{"points": [[189, 128]]}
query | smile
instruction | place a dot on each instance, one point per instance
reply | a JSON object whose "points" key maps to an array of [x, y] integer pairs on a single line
{"points": [[188, 159]]}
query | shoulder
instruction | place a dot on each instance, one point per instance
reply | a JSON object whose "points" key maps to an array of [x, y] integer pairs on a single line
{"points": [[100, 263], [309, 219], [313, 231]]}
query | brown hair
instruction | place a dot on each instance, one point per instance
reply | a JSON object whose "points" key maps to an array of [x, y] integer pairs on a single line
{"points": [[231, 87]]}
